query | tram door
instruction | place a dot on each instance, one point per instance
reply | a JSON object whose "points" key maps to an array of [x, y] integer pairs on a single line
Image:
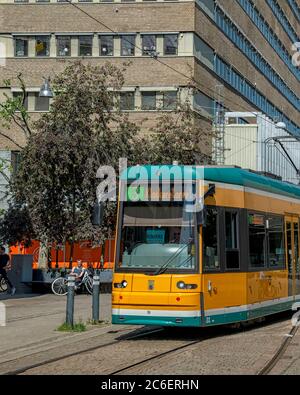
{"points": [[292, 252]]}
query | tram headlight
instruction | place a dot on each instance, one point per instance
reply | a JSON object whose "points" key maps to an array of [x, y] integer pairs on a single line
{"points": [[183, 285], [123, 284]]}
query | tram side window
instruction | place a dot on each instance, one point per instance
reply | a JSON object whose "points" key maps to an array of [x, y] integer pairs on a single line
{"points": [[257, 240], [276, 243], [210, 241], [232, 241]]}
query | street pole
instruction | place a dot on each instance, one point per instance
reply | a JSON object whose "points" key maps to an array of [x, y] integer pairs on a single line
{"points": [[70, 301], [96, 297]]}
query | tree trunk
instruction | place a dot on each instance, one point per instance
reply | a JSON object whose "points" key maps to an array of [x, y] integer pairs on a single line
{"points": [[71, 254], [43, 255], [56, 257]]}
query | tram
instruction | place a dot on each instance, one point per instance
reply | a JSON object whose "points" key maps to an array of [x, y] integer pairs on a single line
{"points": [[233, 259]]}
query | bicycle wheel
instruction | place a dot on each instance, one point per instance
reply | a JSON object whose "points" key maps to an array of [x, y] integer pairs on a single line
{"points": [[59, 286], [89, 285], [3, 285]]}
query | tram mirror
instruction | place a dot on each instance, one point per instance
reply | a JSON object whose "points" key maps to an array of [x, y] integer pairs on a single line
{"points": [[211, 191]]}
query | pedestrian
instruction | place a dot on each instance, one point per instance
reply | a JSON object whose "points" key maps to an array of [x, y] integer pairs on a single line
{"points": [[4, 266], [79, 270]]}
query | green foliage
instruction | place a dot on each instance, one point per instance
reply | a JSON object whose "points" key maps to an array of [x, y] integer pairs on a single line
{"points": [[15, 226], [57, 174], [56, 180], [13, 112], [179, 136]]}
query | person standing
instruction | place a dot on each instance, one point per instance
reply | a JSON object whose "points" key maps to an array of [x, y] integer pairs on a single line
{"points": [[4, 266]]}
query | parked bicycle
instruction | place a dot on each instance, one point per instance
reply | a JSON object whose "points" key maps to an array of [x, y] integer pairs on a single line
{"points": [[3, 284], [60, 285]]}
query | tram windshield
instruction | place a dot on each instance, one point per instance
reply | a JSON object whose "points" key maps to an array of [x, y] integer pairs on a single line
{"points": [[156, 235]]}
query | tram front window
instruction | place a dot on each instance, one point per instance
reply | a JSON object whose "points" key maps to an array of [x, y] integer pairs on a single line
{"points": [[156, 235]]}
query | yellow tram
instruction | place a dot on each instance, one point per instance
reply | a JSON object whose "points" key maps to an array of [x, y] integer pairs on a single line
{"points": [[234, 259]]}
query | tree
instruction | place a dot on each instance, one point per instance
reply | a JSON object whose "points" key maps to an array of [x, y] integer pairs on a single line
{"points": [[56, 178], [14, 114], [179, 136]]}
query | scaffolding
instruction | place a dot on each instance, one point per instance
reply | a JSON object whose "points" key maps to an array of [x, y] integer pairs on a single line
{"points": [[219, 127]]}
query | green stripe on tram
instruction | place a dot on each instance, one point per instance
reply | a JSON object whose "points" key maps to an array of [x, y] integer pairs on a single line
{"points": [[246, 315], [159, 321]]}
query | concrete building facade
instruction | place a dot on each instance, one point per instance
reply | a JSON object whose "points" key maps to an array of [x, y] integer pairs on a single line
{"points": [[244, 46]]}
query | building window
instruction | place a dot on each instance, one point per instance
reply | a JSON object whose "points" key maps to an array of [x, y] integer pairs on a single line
{"points": [[41, 103], [21, 46], [148, 101], [106, 45], [149, 44], [257, 241], [210, 241], [127, 45], [127, 101], [170, 44], [19, 95], [42, 46], [63, 45], [170, 100], [232, 241], [85, 45], [276, 251]]}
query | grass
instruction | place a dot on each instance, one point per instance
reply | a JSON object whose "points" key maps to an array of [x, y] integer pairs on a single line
{"points": [[77, 327]]}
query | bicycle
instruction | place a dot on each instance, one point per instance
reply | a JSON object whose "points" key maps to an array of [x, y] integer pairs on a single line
{"points": [[60, 285], [3, 284]]}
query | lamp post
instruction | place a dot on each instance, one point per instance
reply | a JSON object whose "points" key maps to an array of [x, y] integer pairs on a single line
{"points": [[45, 90]]}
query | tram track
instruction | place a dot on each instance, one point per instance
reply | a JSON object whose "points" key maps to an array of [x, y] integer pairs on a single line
{"points": [[121, 339], [140, 361], [271, 364], [155, 357], [27, 317]]}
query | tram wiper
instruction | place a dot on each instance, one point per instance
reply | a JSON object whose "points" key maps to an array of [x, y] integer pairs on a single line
{"points": [[165, 266]]}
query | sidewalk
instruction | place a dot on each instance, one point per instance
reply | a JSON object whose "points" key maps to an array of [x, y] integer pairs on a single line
{"points": [[30, 335]]}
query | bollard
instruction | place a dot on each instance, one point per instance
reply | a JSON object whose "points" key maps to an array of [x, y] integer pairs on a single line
{"points": [[70, 301], [96, 293]]}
